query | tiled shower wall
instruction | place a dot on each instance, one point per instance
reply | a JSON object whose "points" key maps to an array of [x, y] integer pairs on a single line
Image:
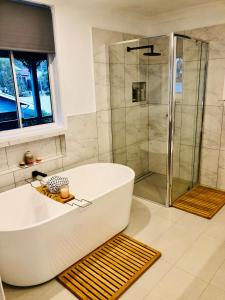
{"points": [[140, 128], [213, 148]]}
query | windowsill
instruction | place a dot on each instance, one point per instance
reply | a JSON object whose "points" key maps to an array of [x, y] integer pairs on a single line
{"points": [[29, 134]]}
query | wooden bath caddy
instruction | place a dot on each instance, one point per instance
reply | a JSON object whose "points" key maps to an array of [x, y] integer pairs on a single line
{"points": [[44, 190]]}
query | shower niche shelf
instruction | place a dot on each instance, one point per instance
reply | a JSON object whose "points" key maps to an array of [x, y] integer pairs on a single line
{"points": [[138, 91]]}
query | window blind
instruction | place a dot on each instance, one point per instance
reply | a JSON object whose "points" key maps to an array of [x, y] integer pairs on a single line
{"points": [[26, 27]]}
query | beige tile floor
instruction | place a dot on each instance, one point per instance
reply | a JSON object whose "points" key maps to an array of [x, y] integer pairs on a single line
{"points": [[192, 265]]}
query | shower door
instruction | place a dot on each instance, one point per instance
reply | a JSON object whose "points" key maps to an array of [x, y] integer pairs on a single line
{"points": [[139, 100], [188, 105]]}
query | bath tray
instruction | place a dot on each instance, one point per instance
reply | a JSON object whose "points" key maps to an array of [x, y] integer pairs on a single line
{"points": [[44, 190], [108, 271]]}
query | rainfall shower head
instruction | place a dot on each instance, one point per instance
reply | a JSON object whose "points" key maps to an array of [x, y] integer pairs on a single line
{"points": [[151, 47], [152, 54]]}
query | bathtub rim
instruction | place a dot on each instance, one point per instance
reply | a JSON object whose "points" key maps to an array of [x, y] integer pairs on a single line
{"points": [[72, 208]]}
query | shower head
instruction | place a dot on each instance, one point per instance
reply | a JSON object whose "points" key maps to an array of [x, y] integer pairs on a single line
{"points": [[152, 54]]}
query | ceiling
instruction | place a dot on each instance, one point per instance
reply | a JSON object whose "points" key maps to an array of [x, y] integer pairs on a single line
{"points": [[143, 7]]}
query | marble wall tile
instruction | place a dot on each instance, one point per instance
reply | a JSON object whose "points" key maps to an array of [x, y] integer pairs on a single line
{"points": [[131, 75], [81, 138], [104, 131], [132, 57], [117, 54], [215, 82], [49, 167], [101, 71], [165, 83], [215, 35], [212, 127], [120, 156], [208, 178], [117, 75], [188, 124], [190, 82], [117, 96], [191, 49], [186, 162], [158, 163], [158, 122], [210, 160], [155, 83], [158, 156], [106, 157], [143, 59], [6, 181], [221, 179], [161, 45], [176, 160], [136, 124], [222, 159], [222, 140], [209, 167], [102, 96], [45, 148], [3, 160], [118, 128], [101, 39], [137, 158]]}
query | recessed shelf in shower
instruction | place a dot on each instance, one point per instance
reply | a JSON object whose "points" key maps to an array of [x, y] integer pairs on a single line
{"points": [[138, 91]]}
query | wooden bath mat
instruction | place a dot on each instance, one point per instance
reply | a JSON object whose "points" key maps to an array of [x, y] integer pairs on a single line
{"points": [[109, 270], [201, 201], [44, 190]]}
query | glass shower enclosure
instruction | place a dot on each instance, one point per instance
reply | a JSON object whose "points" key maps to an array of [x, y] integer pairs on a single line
{"points": [[157, 90]]}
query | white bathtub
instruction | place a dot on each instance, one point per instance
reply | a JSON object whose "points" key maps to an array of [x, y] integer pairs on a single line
{"points": [[40, 237]]}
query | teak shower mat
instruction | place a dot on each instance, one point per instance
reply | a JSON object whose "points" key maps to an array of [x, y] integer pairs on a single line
{"points": [[201, 201], [108, 271]]}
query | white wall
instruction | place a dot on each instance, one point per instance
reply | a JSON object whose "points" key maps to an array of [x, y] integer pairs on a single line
{"points": [[74, 43], [189, 18], [73, 37]]}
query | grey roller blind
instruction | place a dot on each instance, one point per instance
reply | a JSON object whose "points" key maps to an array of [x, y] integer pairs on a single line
{"points": [[26, 27]]}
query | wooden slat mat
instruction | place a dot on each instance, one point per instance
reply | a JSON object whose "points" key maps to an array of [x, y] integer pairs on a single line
{"points": [[109, 270], [201, 201]]}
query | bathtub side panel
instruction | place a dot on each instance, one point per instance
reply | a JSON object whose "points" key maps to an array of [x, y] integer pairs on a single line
{"points": [[38, 254]]}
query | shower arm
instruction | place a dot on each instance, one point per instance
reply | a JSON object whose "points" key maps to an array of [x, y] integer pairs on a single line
{"points": [[129, 49]]}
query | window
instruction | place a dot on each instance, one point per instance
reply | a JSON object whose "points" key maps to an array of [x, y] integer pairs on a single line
{"points": [[25, 96], [179, 75]]}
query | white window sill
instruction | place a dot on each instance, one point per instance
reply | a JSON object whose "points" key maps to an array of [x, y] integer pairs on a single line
{"points": [[29, 134]]}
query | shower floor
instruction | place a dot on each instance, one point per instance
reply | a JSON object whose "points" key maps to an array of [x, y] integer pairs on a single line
{"points": [[154, 188]]}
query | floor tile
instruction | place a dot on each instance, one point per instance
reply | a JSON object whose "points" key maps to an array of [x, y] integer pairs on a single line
{"points": [[175, 241], [212, 293], [147, 281], [177, 285], [204, 257], [197, 223], [219, 278], [217, 225], [171, 214], [145, 225], [51, 290]]}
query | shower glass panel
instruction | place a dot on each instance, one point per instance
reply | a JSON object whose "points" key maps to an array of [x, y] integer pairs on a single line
{"points": [[157, 89], [191, 60], [139, 101]]}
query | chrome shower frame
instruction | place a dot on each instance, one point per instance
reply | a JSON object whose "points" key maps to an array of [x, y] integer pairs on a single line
{"points": [[171, 111]]}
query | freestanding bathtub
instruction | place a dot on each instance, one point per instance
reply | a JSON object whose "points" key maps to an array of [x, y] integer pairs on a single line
{"points": [[39, 237]]}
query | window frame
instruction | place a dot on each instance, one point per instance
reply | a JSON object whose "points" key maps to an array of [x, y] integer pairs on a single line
{"points": [[40, 131]]}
